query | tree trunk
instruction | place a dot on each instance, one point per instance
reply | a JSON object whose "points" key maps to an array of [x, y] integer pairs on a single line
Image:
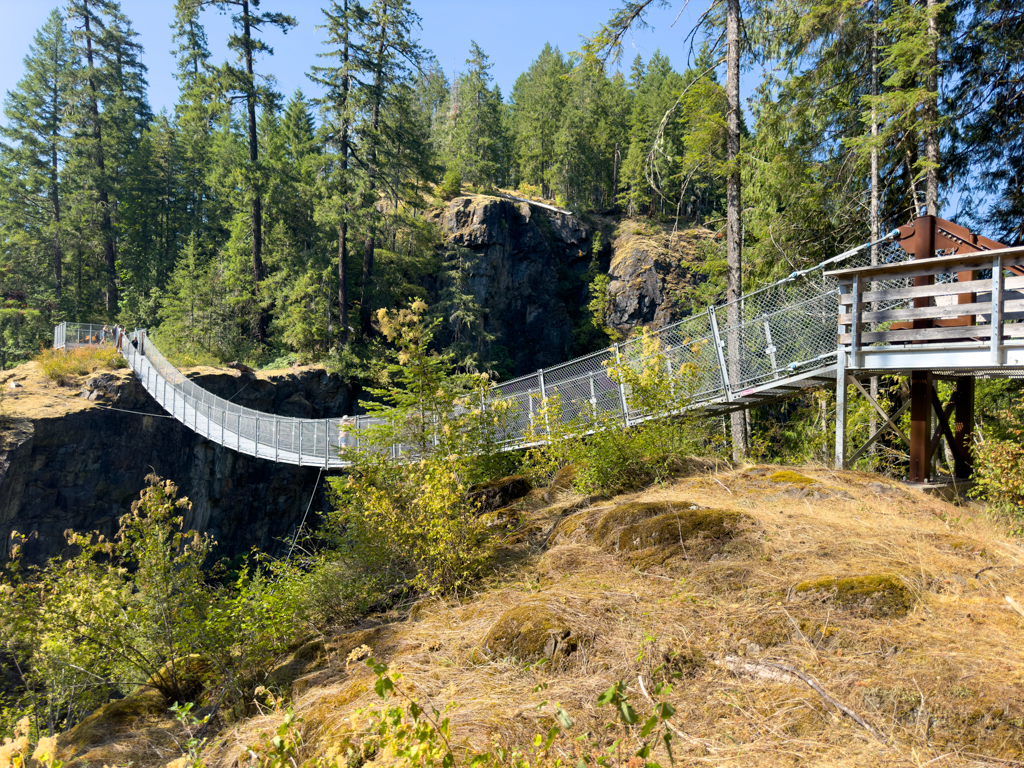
{"points": [[257, 203], [343, 227], [875, 224], [106, 225], [58, 257], [734, 235], [366, 304], [931, 137]]}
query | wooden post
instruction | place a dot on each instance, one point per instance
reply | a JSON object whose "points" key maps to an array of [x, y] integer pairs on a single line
{"points": [[920, 426]]}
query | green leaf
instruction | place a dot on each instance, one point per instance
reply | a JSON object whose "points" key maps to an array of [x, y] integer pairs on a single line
{"points": [[649, 726], [627, 713], [665, 710]]}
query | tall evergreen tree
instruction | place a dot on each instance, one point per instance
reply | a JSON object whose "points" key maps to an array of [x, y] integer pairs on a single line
{"points": [[238, 81], [110, 111], [538, 98], [35, 147]]}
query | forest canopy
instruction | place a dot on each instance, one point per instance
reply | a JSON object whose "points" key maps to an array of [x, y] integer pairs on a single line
{"points": [[250, 223]]}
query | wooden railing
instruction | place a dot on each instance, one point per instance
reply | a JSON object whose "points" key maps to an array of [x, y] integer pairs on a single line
{"points": [[916, 313]]}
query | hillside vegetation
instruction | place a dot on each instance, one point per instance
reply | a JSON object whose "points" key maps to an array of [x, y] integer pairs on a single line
{"points": [[768, 600]]}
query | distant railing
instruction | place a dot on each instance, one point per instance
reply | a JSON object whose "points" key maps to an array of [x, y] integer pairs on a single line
{"points": [[73, 335]]}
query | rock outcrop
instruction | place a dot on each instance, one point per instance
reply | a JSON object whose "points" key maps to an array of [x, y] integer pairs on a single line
{"points": [[651, 275], [68, 461], [526, 274]]}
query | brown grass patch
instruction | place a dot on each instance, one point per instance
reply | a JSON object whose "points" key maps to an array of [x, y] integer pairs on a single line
{"points": [[943, 682]]}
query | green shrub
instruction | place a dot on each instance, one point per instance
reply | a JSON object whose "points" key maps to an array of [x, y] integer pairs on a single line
{"points": [[609, 458], [999, 464], [139, 611], [409, 520], [451, 186]]}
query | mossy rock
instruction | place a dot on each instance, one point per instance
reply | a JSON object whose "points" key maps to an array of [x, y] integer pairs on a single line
{"points": [[629, 531], [113, 718], [499, 493], [530, 632], [791, 477], [882, 595], [626, 515]]}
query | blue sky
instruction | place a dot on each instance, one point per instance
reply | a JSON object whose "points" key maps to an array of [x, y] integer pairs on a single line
{"points": [[512, 34]]}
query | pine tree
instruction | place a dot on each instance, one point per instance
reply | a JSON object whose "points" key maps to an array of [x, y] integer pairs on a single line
{"points": [[238, 81], [111, 113], [538, 97], [35, 147], [474, 136], [382, 79]]}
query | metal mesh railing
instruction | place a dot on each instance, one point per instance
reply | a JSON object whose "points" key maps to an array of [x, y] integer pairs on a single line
{"points": [[305, 442], [784, 329], [74, 335]]}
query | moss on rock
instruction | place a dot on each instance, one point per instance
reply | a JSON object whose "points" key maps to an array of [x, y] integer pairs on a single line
{"points": [[791, 477], [668, 529], [530, 632], [877, 595]]}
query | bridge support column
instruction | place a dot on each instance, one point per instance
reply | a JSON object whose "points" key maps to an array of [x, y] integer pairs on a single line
{"points": [[920, 426], [962, 427], [841, 409]]}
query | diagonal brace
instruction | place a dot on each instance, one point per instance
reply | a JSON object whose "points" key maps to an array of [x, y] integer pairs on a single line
{"points": [[943, 419], [878, 433], [881, 410]]}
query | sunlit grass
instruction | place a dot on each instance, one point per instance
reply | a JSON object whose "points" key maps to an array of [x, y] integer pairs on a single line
{"points": [[63, 366]]}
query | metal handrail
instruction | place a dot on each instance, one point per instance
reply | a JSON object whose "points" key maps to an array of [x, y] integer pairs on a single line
{"points": [[786, 329]]}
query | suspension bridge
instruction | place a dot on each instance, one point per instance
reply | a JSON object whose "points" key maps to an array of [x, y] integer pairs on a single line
{"points": [[930, 299]]}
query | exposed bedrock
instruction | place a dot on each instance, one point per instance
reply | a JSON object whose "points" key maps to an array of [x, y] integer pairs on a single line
{"points": [[81, 466]]}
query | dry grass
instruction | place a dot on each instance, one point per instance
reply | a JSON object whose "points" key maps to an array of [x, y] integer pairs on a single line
{"points": [[65, 366], [942, 683]]}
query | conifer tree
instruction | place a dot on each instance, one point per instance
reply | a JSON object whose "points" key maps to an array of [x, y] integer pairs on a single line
{"points": [[538, 97], [110, 112], [35, 148], [238, 81]]}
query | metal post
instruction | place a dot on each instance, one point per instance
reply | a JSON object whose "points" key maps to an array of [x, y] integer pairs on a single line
{"points": [[238, 430], [544, 402], [257, 441], [593, 397], [997, 308], [300, 441], [841, 409], [855, 327], [327, 442], [622, 387], [277, 436], [770, 349], [720, 353]]}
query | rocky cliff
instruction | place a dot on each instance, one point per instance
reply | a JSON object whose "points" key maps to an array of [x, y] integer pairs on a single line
{"points": [[527, 273], [652, 275], [68, 461]]}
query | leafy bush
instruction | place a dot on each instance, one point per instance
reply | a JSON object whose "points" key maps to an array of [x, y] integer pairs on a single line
{"points": [[410, 519], [609, 458], [139, 611], [64, 366], [451, 186], [999, 463]]}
